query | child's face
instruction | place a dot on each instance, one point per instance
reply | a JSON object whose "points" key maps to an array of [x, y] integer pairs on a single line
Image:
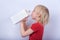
{"points": [[36, 15], [33, 15]]}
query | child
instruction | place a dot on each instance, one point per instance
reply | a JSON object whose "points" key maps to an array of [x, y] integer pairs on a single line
{"points": [[40, 14]]}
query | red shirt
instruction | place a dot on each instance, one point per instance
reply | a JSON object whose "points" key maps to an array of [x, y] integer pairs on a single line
{"points": [[38, 31]]}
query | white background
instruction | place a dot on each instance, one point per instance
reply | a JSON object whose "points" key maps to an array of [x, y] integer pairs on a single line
{"points": [[8, 8]]}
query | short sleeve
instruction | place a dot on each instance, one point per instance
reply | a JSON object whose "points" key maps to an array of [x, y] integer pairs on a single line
{"points": [[34, 27]]}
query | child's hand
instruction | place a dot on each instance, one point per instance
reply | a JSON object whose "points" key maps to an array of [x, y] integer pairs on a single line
{"points": [[24, 20]]}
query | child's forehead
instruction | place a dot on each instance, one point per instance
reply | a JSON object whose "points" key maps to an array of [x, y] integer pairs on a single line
{"points": [[38, 11]]}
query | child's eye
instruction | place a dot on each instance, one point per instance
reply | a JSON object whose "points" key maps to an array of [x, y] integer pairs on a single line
{"points": [[40, 16], [33, 10]]}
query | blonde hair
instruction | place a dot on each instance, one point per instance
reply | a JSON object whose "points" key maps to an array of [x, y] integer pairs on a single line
{"points": [[44, 10]]}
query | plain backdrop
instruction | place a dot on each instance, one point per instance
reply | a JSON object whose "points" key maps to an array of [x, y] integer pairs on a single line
{"points": [[8, 8]]}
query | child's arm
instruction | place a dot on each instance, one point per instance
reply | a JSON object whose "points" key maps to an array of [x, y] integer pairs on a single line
{"points": [[24, 30]]}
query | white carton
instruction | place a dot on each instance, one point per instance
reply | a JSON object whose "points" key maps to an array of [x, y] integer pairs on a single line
{"points": [[19, 16]]}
